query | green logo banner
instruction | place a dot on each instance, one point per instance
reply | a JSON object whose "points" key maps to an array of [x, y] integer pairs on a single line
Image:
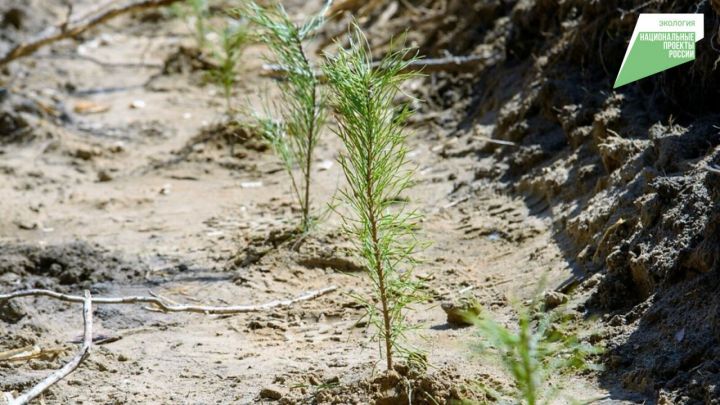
{"points": [[660, 42]]}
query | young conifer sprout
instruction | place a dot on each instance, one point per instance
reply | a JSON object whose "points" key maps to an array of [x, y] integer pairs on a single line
{"points": [[233, 38], [196, 13], [300, 116], [377, 173], [534, 352]]}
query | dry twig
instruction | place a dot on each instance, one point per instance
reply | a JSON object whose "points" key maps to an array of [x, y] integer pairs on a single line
{"points": [[31, 352], [58, 375], [22, 353], [167, 305], [74, 27], [495, 141]]}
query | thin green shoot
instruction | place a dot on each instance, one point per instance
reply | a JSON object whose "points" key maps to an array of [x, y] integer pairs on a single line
{"points": [[294, 129], [196, 14], [540, 346], [232, 41], [378, 173]]}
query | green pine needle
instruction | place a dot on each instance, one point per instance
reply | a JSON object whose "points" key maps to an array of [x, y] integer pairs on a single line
{"points": [[535, 351], [233, 39], [377, 172], [295, 130]]}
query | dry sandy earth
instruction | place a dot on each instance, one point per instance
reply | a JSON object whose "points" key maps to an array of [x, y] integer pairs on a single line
{"points": [[195, 227]]}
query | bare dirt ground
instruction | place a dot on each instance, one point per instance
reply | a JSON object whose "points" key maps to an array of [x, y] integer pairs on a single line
{"points": [[127, 200]]}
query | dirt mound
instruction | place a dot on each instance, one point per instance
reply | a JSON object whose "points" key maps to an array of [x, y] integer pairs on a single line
{"points": [[76, 264], [227, 143], [625, 172], [20, 117], [186, 60], [402, 386], [324, 250]]}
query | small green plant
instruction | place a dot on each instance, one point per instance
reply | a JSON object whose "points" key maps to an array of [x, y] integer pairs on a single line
{"points": [[377, 173], [196, 13], [233, 39], [536, 350], [299, 117]]}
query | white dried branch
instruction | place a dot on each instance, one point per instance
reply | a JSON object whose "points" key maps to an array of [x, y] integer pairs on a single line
{"points": [[58, 375], [167, 305]]}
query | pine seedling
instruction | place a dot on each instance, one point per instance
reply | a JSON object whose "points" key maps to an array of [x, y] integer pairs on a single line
{"points": [[376, 168], [195, 13], [233, 39], [299, 117], [535, 351], [200, 10]]}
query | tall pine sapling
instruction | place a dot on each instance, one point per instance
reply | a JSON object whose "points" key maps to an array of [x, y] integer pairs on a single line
{"points": [[300, 116], [377, 172]]}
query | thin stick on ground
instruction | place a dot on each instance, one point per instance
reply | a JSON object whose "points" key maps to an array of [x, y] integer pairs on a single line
{"points": [[166, 305], [74, 27], [58, 375]]}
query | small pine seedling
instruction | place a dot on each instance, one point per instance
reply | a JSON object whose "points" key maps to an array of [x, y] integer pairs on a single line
{"points": [[233, 39], [196, 13], [534, 352], [377, 173], [295, 132]]}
